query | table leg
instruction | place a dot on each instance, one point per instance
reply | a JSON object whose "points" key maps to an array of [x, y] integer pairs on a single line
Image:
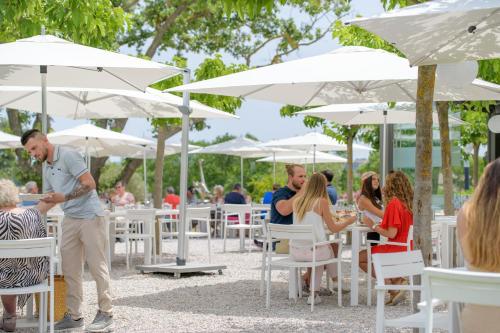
{"points": [[355, 266], [242, 240], [445, 246], [147, 244]]}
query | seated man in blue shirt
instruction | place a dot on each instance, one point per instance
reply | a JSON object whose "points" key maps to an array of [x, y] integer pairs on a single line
{"points": [[235, 196], [332, 192]]}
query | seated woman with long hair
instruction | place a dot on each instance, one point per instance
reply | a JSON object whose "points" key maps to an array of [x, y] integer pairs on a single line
{"points": [[19, 223], [313, 207], [398, 217], [478, 228], [370, 201]]}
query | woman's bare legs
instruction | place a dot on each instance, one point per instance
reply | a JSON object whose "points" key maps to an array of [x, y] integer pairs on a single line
{"points": [[9, 303]]}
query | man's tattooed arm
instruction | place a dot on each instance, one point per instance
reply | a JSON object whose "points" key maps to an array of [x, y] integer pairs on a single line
{"points": [[78, 192]]}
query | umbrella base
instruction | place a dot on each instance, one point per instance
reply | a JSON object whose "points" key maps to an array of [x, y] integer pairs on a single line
{"points": [[178, 270]]}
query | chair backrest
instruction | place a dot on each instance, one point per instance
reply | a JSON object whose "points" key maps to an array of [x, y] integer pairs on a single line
{"points": [[28, 248], [409, 239], [290, 231], [462, 286], [145, 215], [256, 206], [194, 213], [237, 209], [397, 264]]}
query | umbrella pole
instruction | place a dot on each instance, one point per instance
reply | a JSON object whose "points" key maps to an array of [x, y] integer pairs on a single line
{"points": [[241, 171], [181, 244], [274, 168], [87, 153], [384, 149], [43, 76], [145, 175], [314, 158]]}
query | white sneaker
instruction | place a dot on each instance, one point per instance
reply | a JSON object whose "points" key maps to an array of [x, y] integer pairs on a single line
{"points": [[317, 300]]}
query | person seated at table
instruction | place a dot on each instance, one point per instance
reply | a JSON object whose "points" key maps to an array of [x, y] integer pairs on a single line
{"points": [[218, 195], [370, 201], [330, 189], [268, 196], [478, 230], [30, 188], [396, 222], [191, 199], [312, 207], [235, 197], [19, 223], [122, 197], [171, 198]]}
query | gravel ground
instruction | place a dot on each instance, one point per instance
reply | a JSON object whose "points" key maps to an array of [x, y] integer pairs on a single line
{"points": [[223, 303]]}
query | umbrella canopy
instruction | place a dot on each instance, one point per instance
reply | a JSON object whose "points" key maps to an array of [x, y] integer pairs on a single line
{"points": [[73, 65], [371, 114], [91, 103], [442, 31], [305, 158], [9, 141], [350, 74], [138, 151], [96, 139], [312, 142]]}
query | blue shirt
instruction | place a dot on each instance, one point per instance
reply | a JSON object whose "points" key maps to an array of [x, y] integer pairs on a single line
{"points": [[283, 193], [62, 176], [332, 193], [268, 197], [235, 198]]}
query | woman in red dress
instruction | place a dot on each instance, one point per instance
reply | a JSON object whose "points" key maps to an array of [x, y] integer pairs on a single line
{"points": [[398, 217]]}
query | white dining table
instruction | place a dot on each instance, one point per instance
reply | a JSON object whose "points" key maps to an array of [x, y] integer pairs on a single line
{"points": [[358, 231]]}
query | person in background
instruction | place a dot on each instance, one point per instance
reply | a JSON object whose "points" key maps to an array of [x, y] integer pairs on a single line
{"points": [[31, 188], [68, 181], [171, 198], [478, 230], [268, 196], [235, 196], [312, 207], [218, 195], [282, 203], [122, 197], [191, 196], [19, 223], [330, 189], [396, 223], [370, 201]]}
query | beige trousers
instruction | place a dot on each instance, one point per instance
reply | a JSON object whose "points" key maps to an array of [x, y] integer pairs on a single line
{"points": [[84, 239]]}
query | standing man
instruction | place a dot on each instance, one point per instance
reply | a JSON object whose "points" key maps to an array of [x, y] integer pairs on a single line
{"points": [[68, 181], [330, 189], [282, 203]]}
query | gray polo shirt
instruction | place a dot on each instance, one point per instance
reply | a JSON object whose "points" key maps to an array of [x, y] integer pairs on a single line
{"points": [[62, 176]]}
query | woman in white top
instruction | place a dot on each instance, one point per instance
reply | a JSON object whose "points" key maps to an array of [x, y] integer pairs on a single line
{"points": [[313, 207]]}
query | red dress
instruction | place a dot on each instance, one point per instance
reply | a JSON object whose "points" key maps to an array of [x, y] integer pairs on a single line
{"points": [[397, 216]]}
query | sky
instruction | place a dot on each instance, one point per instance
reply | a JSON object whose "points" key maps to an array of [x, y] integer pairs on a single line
{"points": [[252, 112]]}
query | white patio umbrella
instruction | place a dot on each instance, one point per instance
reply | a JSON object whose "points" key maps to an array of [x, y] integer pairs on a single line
{"points": [[241, 147], [372, 114], [51, 61], [91, 103], [9, 141], [443, 31], [312, 142], [305, 158], [350, 74]]}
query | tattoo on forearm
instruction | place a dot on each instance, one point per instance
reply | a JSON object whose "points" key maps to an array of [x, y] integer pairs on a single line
{"points": [[78, 192]]}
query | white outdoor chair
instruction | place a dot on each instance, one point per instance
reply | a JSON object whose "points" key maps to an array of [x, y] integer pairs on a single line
{"points": [[409, 240], [202, 216], [300, 232], [240, 212], [31, 248], [436, 243], [453, 285], [393, 265], [139, 225]]}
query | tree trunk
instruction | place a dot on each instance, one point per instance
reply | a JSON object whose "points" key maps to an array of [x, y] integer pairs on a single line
{"points": [[476, 164], [349, 168], [128, 170], [444, 133], [23, 160], [160, 152], [422, 212]]}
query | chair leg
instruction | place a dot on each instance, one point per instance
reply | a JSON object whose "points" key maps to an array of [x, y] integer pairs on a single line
{"points": [[250, 240], [209, 246], [299, 282], [51, 309], [369, 277], [380, 311], [313, 286], [224, 244], [339, 281], [127, 252], [263, 269], [268, 284], [40, 312]]}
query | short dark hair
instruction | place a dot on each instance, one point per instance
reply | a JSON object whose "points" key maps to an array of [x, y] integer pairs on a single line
{"points": [[170, 190], [328, 174], [276, 187], [28, 135], [237, 186]]}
